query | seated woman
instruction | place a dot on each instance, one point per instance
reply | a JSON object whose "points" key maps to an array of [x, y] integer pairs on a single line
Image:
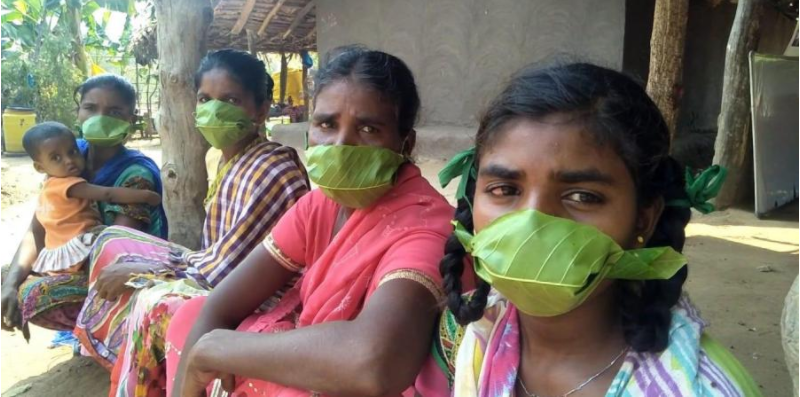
{"points": [[575, 226], [105, 110], [257, 182], [367, 244]]}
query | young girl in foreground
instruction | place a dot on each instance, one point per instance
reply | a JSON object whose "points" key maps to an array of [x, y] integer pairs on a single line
{"points": [[574, 214], [66, 204]]}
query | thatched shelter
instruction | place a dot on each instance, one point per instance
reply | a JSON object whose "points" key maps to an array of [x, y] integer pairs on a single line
{"points": [[287, 26]]}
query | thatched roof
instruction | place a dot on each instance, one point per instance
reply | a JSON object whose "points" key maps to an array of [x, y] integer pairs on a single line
{"points": [[273, 26]]}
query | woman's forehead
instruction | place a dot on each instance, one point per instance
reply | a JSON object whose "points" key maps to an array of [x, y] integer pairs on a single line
{"points": [[104, 96], [537, 146], [352, 98], [219, 82]]}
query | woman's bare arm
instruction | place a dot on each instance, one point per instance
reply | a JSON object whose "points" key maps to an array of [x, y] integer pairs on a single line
{"points": [[249, 285], [379, 353]]}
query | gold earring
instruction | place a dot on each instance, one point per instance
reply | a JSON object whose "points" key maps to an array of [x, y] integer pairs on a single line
{"points": [[640, 239]]}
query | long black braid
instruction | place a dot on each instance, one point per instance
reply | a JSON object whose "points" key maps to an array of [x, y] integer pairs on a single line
{"points": [[452, 268], [645, 306], [617, 110]]}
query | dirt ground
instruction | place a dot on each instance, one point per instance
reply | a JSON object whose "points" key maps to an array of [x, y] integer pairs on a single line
{"points": [[740, 270]]}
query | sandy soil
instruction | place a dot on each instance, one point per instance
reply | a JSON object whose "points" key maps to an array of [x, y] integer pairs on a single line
{"points": [[740, 270]]}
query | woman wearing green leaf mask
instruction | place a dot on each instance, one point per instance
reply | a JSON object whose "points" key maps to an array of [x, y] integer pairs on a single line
{"points": [[573, 213], [366, 245], [257, 182], [105, 108]]}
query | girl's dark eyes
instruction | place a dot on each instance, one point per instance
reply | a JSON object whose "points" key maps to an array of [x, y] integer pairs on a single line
{"points": [[369, 129], [584, 198], [325, 125]]}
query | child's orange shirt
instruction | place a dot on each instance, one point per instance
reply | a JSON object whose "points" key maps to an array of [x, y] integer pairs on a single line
{"points": [[63, 217]]}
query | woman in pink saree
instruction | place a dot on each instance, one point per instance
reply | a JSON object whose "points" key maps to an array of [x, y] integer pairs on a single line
{"points": [[366, 245]]}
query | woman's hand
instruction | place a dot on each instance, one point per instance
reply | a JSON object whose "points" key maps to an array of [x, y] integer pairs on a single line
{"points": [[19, 270], [12, 317], [197, 378], [111, 281]]}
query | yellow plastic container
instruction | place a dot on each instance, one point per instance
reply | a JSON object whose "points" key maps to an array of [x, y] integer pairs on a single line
{"points": [[16, 121]]}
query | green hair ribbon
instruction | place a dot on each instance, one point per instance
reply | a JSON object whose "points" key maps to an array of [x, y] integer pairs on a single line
{"points": [[461, 165], [702, 188]]}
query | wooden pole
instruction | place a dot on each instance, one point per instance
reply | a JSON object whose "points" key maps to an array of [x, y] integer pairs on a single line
{"points": [[305, 93], [732, 148], [284, 76], [247, 8], [664, 85], [251, 43], [181, 45], [298, 18], [268, 19]]}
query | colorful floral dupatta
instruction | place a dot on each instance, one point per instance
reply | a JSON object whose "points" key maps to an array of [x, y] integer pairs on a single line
{"points": [[692, 365]]}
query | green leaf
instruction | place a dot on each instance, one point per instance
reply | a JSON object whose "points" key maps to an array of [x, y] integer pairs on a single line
{"points": [[12, 16], [126, 6], [659, 263], [563, 252], [21, 6], [88, 9], [353, 190]]}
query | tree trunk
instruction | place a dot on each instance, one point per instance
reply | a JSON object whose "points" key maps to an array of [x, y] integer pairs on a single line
{"points": [[181, 45], [284, 75], [79, 59], [733, 125], [667, 41]]}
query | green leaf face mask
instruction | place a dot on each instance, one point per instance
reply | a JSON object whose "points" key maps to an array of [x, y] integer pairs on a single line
{"points": [[105, 130], [353, 176], [221, 123], [548, 266]]}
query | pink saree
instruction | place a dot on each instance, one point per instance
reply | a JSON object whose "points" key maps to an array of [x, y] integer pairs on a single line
{"points": [[400, 236]]}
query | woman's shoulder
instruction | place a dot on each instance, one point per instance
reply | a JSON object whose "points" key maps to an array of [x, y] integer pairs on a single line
{"points": [[263, 154], [262, 147], [720, 373], [715, 370], [414, 195]]}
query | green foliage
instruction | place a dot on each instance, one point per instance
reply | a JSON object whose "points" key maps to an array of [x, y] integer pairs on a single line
{"points": [[16, 91], [42, 42], [46, 85], [23, 21]]}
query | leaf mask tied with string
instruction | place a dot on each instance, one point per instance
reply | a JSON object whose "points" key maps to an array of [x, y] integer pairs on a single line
{"points": [[548, 266], [353, 176]]}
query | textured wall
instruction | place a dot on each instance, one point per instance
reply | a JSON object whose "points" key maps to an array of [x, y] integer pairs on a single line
{"points": [[462, 51]]}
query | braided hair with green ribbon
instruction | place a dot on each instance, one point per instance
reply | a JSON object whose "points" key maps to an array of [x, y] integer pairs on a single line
{"points": [[701, 189], [461, 165]]}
